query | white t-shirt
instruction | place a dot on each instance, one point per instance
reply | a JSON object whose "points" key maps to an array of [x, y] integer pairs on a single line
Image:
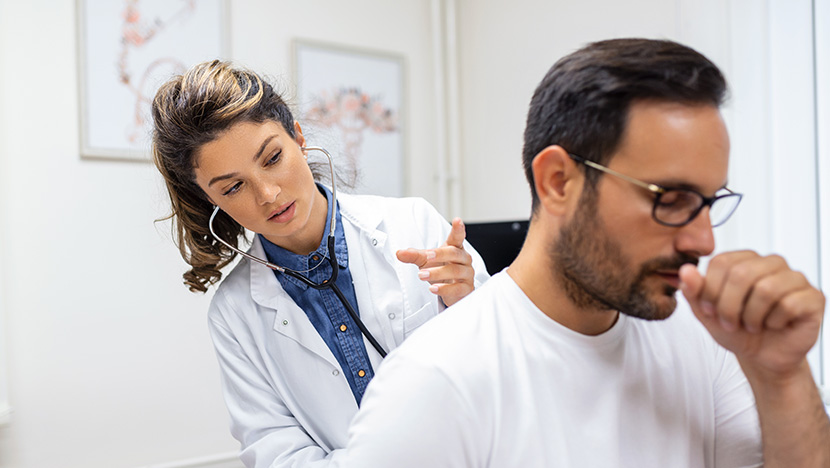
{"points": [[493, 382]]}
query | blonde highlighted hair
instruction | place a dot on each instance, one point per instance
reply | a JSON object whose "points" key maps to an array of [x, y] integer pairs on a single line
{"points": [[189, 111]]}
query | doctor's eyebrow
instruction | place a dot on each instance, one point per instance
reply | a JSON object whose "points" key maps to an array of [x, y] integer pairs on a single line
{"points": [[262, 147], [255, 158]]}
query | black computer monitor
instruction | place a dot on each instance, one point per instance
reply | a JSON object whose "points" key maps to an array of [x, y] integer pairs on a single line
{"points": [[497, 242]]}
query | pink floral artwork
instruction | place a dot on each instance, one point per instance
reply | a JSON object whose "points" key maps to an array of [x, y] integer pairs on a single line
{"points": [[354, 113], [137, 30], [128, 48]]}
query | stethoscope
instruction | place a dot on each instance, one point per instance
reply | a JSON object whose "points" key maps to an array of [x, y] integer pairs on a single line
{"points": [[329, 283]]}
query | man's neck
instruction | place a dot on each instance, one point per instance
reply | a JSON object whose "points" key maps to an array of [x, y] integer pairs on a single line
{"points": [[533, 273]]}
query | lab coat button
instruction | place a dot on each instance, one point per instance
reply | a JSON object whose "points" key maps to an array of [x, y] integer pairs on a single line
{"points": [[285, 322], [335, 372], [374, 242], [391, 316]]}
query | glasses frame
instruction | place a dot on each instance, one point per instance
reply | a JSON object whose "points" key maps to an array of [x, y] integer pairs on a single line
{"points": [[659, 190]]}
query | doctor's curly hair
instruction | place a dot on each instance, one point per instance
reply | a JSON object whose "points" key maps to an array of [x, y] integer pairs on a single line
{"points": [[190, 111]]}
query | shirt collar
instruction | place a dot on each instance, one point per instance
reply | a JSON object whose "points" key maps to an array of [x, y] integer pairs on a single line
{"points": [[279, 256]]}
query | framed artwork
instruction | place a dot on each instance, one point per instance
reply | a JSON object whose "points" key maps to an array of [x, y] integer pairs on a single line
{"points": [[127, 49], [351, 101]]}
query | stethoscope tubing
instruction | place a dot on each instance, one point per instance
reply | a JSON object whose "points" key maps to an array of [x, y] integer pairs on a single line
{"points": [[328, 283]]}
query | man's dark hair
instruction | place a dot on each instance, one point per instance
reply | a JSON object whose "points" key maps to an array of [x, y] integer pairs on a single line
{"points": [[582, 103]]}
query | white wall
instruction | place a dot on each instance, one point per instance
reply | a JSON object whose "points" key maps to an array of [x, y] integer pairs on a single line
{"points": [[822, 22], [4, 395]]}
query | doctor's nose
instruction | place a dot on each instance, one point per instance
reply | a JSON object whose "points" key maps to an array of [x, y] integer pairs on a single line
{"points": [[267, 192]]}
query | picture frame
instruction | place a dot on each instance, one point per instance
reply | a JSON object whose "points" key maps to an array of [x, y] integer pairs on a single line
{"points": [[353, 102], [126, 50]]}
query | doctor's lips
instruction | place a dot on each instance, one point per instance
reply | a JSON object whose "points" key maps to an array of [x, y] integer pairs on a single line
{"points": [[283, 214]]}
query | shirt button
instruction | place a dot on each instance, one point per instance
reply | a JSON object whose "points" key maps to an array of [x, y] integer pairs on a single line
{"points": [[391, 316], [343, 327], [335, 372], [374, 242], [361, 373], [285, 322], [315, 257]]}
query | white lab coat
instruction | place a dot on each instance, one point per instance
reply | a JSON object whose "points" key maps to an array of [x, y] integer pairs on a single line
{"points": [[289, 403]]}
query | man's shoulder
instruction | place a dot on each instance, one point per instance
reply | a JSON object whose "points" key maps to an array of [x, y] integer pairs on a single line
{"points": [[467, 329]]}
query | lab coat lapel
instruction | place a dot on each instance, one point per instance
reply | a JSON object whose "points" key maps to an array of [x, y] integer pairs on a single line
{"points": [[290, 321], [363, 234]]}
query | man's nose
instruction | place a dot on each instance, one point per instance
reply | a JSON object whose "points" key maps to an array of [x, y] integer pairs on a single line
{"points": [[697, 237]]}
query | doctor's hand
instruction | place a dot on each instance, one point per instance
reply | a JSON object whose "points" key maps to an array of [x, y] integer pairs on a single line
{"points": [[448, 269], [758, 308]]}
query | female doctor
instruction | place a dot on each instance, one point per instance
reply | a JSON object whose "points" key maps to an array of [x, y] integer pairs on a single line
{"points": [[294, 362]]}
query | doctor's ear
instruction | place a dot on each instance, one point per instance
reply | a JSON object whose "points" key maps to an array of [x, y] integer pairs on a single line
{"points": [[556, 179], [298, 135]]}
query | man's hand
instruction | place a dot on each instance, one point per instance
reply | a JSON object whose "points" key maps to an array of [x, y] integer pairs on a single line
{"points": [[758, 308], [448, 269]]}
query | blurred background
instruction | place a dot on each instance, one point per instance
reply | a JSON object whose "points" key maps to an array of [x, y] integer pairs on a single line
{"points": [[105, 359]]}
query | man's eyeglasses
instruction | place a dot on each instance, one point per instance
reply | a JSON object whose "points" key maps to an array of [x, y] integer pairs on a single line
{"points": [[676, 206]]}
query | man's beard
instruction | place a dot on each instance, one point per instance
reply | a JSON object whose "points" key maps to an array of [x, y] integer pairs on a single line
{"points": [[596, 274]]}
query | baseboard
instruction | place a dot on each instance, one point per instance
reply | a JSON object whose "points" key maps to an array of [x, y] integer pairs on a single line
{"points": [[220, 460]]}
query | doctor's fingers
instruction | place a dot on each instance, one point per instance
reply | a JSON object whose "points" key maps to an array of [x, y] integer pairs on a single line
{"points": [[457, 234], [449, 254], [449, 273], [739, 281], [452, 292], [417, 257]]}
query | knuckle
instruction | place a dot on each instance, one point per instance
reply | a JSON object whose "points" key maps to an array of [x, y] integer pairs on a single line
{"points": [[719, 261], [800, 277], [766, 291], [779, 260], [793, 305], [741, 274]]}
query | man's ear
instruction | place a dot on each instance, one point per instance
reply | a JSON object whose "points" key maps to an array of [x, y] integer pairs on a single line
{"points": [[557, 180]]}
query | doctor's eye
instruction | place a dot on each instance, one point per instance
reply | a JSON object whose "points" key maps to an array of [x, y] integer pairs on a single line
{"points": [[234, 188], [275, 158]]}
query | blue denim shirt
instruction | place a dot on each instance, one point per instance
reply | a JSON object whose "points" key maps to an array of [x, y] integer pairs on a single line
{"points": [[325, 311]]}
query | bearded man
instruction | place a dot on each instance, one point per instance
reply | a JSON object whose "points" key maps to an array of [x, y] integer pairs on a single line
{"points": [[572, 356]]}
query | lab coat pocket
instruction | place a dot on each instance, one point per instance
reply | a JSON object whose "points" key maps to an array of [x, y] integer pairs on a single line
{"points": [[412, 321]]}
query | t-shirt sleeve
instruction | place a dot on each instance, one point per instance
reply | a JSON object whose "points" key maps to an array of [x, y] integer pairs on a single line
{"points": [[737, 428], [412, 416]]}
